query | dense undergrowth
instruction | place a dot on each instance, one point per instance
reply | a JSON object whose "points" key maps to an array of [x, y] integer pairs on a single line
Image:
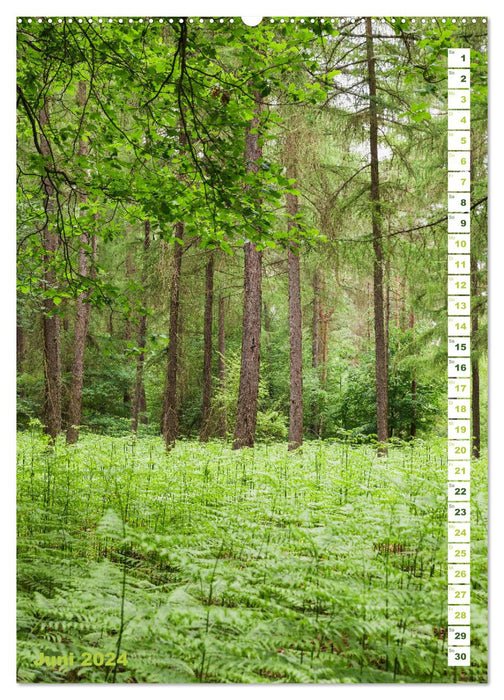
{"points": [[208, 565]]}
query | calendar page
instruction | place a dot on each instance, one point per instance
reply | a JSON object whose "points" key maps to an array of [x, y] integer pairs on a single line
{"points": [[251, 349]]}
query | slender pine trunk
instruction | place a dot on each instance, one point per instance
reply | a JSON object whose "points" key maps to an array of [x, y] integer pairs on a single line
{"points": [[207, 350], [130, 275], [246, 415], [413, 427], [170, 417], [139, 402], [315, 345], [221, 367], [295, 332], [82, 315], [169, 420], [381, 352], [50, 322]]}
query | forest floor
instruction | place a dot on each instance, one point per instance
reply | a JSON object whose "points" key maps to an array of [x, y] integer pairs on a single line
{"points": [[213, 565]]}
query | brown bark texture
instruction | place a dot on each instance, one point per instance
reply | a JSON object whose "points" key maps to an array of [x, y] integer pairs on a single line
{"points": [[316, 321], [315, 343], [50, 323], [207, 350], [387, 314], [170, 417], [413, 387], [82, 314], [139, 403], [295, 438], [169, 420], [381, 353], [296, 342], [246, 415], [221, 367]]}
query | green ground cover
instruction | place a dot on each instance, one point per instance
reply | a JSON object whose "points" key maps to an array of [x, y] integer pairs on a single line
{"points": [[213, 565]]}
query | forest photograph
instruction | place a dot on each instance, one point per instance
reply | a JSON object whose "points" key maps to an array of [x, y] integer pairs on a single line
{"points": [[232, 342]]}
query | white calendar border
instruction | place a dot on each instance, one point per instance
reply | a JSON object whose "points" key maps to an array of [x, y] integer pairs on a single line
{"points": [[428, 8]]}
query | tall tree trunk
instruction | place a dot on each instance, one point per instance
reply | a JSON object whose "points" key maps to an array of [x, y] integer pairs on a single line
{"points": [[50, 323], [381, 352], [325, 330], [222, 367], [246, 415], [368, 320], [169, 420], [130, 275], [170, 417], [139, 397], [316, 321], [316, 345], [403, 317], [295, 327], [475, 377], [143, 407], [387, 314], [82, 314], [413, 386], [207, 350], [325, 317]]}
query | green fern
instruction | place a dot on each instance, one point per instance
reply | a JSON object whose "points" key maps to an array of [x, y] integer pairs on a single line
{"points": [[321, 567]]}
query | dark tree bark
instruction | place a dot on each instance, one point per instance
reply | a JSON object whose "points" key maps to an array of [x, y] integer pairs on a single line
{"points": [[316, 321], [325, 331], [130, 275], [315, 342], [207, 350], [403, 315], [143, 407], [368, 318], [246, 416], [170, 417], [475, 377], [325, 317], [295, 335], [222, 366], [139, 403], [413, 388], [295, 439], [82, 314], [387, 314], [381, 351], [50, 323]]}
